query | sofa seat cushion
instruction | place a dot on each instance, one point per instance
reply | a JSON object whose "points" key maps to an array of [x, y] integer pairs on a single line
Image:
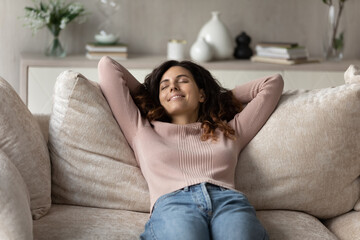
{"points": [[291, 225], [92, 163], [346, 226], [306, 157], [75, 222], [23, 143]]}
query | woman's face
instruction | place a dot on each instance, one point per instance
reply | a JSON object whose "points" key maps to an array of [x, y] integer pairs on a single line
{"points": [[179, 94]]}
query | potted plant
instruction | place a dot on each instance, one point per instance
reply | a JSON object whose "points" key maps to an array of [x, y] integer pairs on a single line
{"points": [[55, 15]]}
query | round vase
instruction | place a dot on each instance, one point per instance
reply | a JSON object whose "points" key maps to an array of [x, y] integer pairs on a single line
{"points": [[218, 37], [200, 51]]}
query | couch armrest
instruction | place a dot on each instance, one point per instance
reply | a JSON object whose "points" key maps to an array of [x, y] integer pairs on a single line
{"points": [[346, 226], [15, 214]]}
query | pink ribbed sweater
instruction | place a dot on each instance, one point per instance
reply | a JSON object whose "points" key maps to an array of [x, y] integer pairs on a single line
{"points": [[173, 156]]}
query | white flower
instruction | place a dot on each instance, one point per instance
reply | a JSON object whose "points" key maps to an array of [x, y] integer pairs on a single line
{"points": [[55, 14], [63, 23], [75, 8]]}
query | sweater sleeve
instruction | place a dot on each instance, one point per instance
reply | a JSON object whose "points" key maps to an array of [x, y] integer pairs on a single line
{"points": [[261, 97], [117, 83]]}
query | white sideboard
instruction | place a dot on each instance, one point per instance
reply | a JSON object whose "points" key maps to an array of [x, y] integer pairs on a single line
{"points": [[39, 73]]}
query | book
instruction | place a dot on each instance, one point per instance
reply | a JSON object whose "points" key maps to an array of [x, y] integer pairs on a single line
{"points": [[278, 44], [96, 47], [99, 55], [281, 52], [298, 49], [282, 60]]}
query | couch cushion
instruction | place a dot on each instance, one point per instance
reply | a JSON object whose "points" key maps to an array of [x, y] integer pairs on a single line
{"points": [[345, 227], [290, 225], [75, 222], [306, 157], [92, 163], [22, 141], [15, 213]]}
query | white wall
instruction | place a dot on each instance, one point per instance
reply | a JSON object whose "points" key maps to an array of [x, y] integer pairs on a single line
{"points": [[146, 26]]}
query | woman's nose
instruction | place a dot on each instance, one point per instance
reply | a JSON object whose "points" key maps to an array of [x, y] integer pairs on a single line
{"points": [[174, 87]]}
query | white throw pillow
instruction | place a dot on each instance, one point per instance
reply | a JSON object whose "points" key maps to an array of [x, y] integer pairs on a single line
{"points": [[306, 157], [92, 163]]}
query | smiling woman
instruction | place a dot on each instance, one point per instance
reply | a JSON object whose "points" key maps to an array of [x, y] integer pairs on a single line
{"points": [[180, 96], [196, 130], [204, 99]]}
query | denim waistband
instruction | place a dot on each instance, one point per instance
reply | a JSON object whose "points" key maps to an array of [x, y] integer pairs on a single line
{"points": [[208, 186]]}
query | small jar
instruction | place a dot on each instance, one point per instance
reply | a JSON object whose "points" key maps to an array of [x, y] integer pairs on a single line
{"points": [[176, 49]]}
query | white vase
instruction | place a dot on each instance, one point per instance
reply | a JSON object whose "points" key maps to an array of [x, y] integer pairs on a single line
{"points": [[218, 37], [200, 51]]}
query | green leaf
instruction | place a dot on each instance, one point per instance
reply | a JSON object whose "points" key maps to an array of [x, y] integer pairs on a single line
{"points": [[339, 42], [29, 9]]}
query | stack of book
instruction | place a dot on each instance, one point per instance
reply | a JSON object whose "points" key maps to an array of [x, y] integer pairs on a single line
{"points": [[281, 52], [116, 51]]}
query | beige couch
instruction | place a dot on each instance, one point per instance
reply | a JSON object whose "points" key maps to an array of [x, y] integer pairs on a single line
{"points": [[72, 175]]}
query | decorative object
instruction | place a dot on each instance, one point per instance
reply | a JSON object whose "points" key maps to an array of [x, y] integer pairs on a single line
{"points": [[216, 34], [176, 49], [107, 33], [242, 50], [55, 15], [201, 51], [96, 51], [334, 38]]}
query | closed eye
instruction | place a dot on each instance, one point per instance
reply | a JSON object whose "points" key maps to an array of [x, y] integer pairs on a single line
{"points": [[163, 87]]}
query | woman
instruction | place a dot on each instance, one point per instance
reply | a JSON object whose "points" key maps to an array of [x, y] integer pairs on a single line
{"points": [[187, 133]]}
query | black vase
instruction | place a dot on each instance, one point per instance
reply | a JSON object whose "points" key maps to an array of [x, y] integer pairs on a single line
{"points": [[242, 50]]}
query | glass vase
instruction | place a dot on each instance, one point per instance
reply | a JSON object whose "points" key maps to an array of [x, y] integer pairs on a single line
{"points": [[334, 36], [55, 49]]}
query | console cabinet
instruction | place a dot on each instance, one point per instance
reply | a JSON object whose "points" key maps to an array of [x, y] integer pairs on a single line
{"points": [[39, 73]]}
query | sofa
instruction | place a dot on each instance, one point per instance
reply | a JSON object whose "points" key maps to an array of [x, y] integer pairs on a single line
{"points": [[72, 175]]}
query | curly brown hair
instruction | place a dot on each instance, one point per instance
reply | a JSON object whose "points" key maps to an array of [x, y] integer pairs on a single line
{"points": [[219, 107]]}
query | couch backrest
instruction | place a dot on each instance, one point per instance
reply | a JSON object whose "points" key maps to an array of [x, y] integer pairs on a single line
{"points": [[305, 158]]}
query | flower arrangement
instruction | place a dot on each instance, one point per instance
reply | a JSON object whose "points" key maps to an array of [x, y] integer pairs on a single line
{"points": [[336, 44], [55, 15]]}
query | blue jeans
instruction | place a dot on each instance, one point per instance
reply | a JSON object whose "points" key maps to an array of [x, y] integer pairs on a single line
{"points": [[203, 212]]}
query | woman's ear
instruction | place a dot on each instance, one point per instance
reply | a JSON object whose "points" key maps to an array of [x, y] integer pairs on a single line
{"points": [[202, 96]]}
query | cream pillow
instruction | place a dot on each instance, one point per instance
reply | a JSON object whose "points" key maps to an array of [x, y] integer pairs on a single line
{"points": [[15, 213], [92, 163], [22, 141], [306, 157]]}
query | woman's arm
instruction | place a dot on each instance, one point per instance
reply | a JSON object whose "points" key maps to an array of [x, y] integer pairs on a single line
{"points": [[116, 83], [261, 97]]}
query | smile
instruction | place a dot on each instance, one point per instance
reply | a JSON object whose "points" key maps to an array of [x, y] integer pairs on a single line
{"points": [[176, 97]]}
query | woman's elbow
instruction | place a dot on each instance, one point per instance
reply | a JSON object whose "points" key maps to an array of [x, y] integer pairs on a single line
{"points": [[104, 63], [108, 70], [278, 80]]}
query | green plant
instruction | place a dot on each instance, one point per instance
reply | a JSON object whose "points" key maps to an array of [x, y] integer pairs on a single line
{"points": [[55, 15]]}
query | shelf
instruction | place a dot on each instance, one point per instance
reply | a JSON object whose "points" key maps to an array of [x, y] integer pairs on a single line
{"points": [[137, 61]]}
